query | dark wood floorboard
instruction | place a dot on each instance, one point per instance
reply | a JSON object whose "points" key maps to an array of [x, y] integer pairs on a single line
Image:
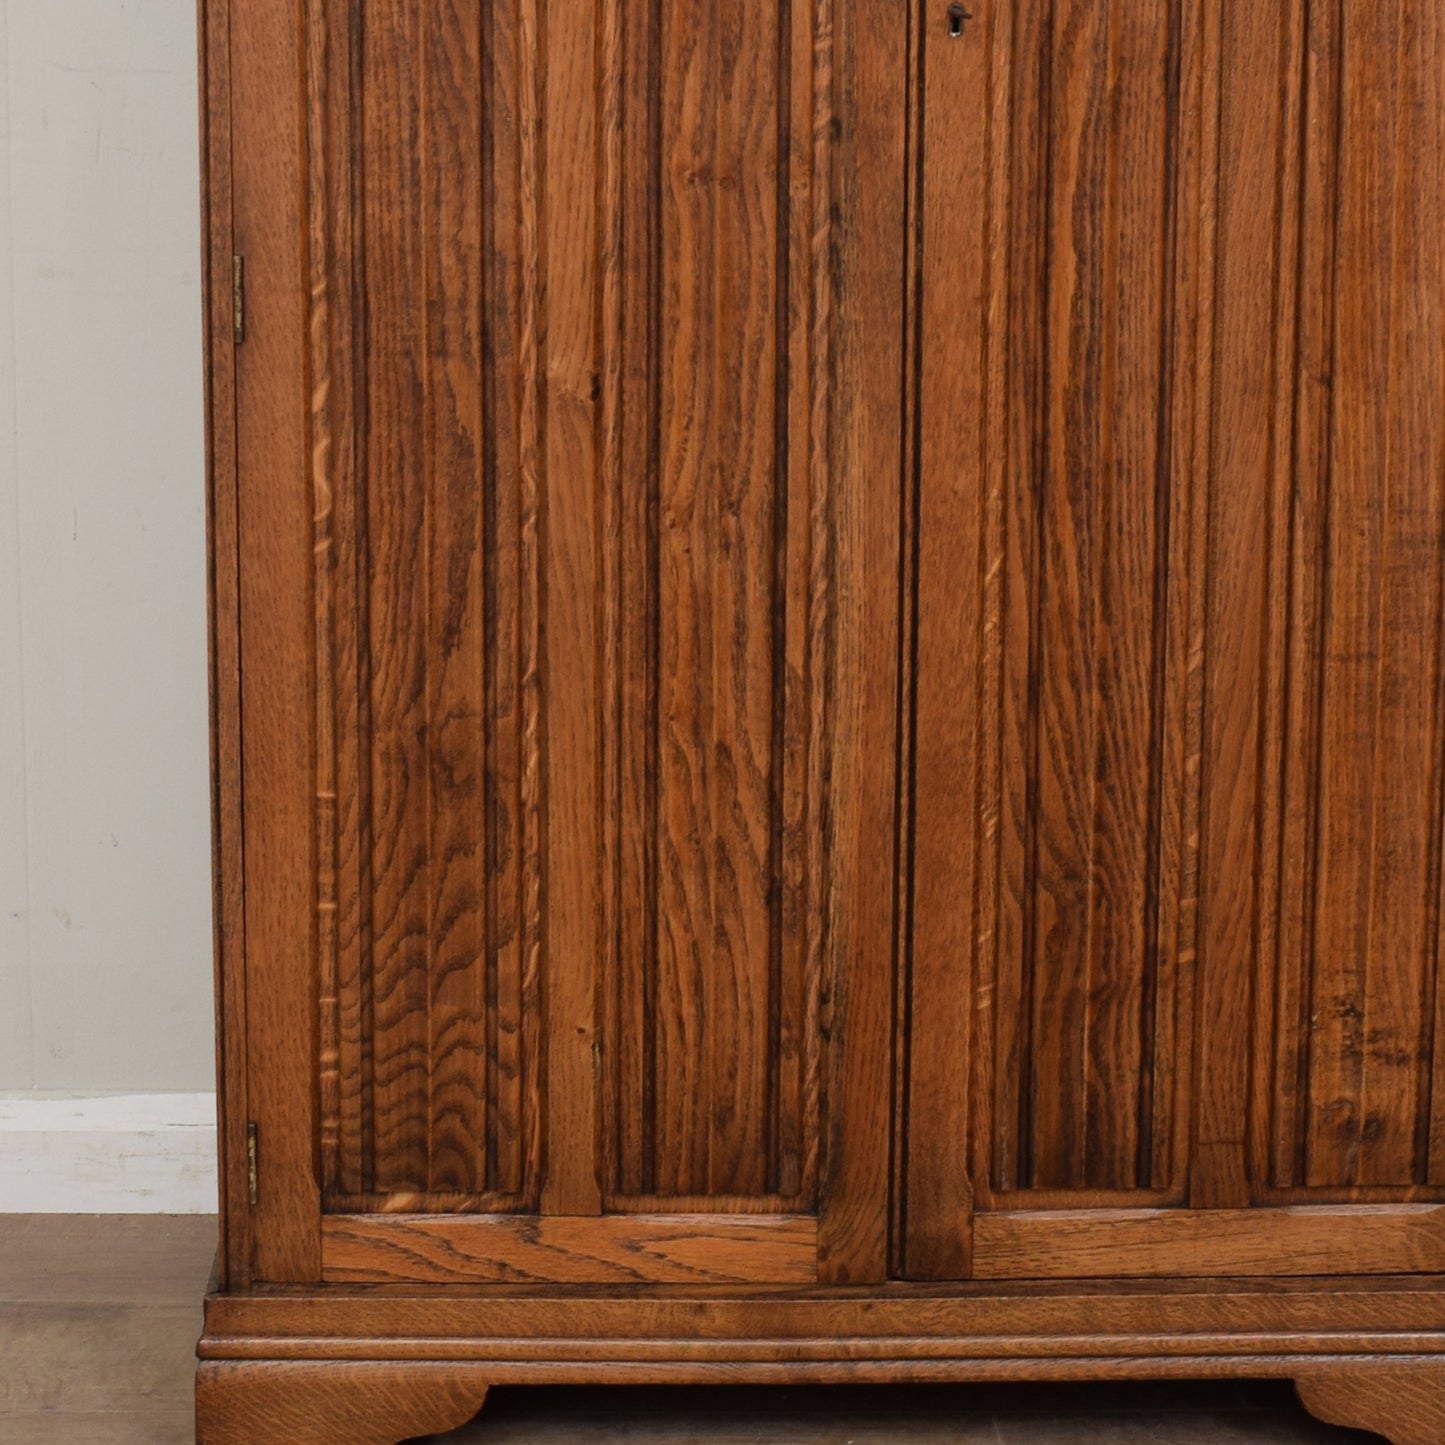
{"points": [[99, 1317]]}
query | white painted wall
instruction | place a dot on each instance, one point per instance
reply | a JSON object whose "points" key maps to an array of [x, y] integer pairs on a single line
{"points": [[105, 941]]}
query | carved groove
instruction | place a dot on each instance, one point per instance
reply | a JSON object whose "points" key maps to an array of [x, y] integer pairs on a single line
{"points": [[1351, 819], [428, 732], [1086, 977], [711, 601], [434, 392]]}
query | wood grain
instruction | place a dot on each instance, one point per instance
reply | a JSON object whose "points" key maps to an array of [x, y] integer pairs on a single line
{"points": [[951, 825], [1180, 1243], [1220, 700], [579, 892], [1249, 88], [829, 664], [415, 469], [1091, 654], [224, 656], [1322, 794], [1051, 884], [562, 75], [682, 342], [1405, 1399], [270, 1400], [1293, 585], [462, 997], [302, 1404], [1091, 499], [277, 708], [716, 363], [861, 415], [615, 1249], [1382, 546], [722, 491], [977, 1320]]}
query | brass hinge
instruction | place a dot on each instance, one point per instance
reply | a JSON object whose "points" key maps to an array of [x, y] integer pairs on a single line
{"points": [[253, 1177], [238, 298]]}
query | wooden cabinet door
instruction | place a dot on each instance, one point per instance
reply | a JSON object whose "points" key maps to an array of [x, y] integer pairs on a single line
{"points": [[1180, 508], [565, 434]]}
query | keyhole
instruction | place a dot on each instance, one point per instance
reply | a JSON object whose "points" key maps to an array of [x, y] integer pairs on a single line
{"points": [[956, 16]]}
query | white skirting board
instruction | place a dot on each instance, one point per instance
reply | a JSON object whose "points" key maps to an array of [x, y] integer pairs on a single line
{"points": [[107, 1154]]}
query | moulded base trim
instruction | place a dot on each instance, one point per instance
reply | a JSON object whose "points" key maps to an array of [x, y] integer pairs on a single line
{"points": [[306, 1361]]}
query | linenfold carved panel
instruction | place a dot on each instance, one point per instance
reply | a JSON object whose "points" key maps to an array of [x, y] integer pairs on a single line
{"points": [[1353, 786], [433, 328], [713, 921], [427, 640], [1183, 490]]}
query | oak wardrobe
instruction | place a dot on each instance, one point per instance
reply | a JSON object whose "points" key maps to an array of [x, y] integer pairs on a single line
{"points": [[829, 698]]}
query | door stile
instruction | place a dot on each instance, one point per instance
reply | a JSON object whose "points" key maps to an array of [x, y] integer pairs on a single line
{"points": [[1187, 353], [561, 278], [862, 94], [960, 229], [1245, 147], [277, 636]]}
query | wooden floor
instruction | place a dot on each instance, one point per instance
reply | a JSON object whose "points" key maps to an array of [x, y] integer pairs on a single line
{"points": [[99, 1317]]}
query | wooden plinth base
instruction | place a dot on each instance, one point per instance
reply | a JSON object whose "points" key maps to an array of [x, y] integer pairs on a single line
{"points": [[1402, 1400], [313, 1403], [334, 1366]]}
